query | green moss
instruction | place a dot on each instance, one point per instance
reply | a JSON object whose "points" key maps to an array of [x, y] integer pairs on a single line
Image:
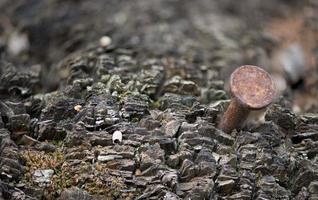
{"points": [[58, 143], [155, 105], [93, 178], [40, 160]]}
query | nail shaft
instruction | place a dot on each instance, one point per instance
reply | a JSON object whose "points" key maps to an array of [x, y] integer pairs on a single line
{"points": [[234, 116]]}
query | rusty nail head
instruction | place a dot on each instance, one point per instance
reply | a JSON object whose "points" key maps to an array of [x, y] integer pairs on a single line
{"points": [[251, 89]]}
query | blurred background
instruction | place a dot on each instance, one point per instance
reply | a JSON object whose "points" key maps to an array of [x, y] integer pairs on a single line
{"points": [[278, 35]]}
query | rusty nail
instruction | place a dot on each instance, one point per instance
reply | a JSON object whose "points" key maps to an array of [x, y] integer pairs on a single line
{"points": [[251, 89]]}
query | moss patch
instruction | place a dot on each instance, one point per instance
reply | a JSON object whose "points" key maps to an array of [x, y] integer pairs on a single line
{"points": [[93, 178]]}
